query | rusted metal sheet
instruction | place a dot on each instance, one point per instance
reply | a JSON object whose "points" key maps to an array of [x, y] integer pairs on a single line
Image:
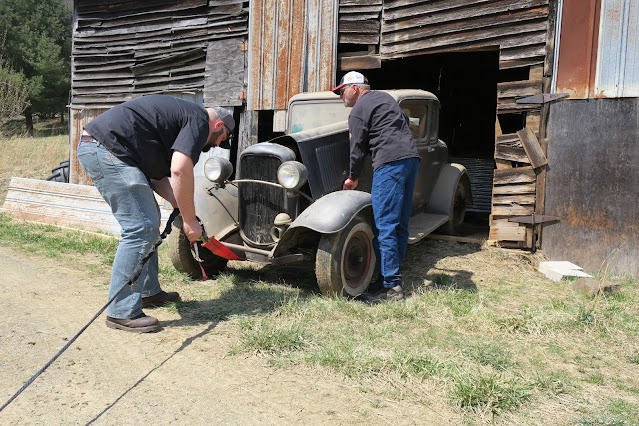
{"points": [[618, 59], [517, 28], [126, 49], [292, 49], [577, 47], [66, 204], [591, 184]]}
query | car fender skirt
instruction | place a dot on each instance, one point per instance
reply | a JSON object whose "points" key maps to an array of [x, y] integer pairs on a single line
{"points": [[442, 197]]}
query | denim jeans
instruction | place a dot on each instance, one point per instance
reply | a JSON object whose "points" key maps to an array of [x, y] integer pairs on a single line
{"points": [[128, 193], [392, 197]]}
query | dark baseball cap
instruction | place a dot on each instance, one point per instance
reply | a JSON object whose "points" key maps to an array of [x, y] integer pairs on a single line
{"points": [[229, 123]]}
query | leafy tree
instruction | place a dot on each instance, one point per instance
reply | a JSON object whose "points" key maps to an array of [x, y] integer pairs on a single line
{"points": [[13, 86], [38, 44]]}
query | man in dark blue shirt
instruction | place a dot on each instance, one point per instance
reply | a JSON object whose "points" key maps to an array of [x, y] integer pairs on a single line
{"points": [[380, 128], [129, 152]]}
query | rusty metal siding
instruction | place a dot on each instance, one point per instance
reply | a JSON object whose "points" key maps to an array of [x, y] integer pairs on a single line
{"points": [[577, 54], [591, 184], [292, 49], [517, 28], [618, 62], [124, 49]]}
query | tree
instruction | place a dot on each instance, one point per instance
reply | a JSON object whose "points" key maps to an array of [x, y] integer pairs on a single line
{"points": [[38, 44], [13, 86]]}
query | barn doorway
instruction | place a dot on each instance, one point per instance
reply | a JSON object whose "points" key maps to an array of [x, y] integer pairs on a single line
{"points": [[466, 85]]}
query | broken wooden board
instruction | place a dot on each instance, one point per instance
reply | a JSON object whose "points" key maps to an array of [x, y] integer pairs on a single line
{"points": [[558, 270], [67, 204], [533, 149]]}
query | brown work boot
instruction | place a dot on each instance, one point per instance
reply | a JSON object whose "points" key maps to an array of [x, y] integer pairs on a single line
{"points": [[160, 299], [139, 324]]}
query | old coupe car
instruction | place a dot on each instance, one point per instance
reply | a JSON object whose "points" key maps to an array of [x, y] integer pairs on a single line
{"points": [[286, 203]]}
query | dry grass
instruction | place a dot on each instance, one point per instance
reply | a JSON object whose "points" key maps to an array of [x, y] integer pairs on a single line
{"points": [[30, 158]]}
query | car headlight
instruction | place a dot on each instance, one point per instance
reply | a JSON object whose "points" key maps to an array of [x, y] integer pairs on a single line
{"points": [[217, 169], [292, 174]]}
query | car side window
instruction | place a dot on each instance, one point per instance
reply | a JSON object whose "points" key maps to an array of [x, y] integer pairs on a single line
{"points": [[418, 114]]}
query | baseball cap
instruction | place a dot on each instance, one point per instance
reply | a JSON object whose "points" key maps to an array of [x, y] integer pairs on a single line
{"points": [[352, 77], [229, 123]]}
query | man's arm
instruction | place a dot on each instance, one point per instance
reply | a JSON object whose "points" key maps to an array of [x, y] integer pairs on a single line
{"points": [[163, 189], [182, 182], [358, 150]]}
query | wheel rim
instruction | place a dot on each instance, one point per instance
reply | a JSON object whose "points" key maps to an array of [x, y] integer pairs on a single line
{"points": [[357, 259]]}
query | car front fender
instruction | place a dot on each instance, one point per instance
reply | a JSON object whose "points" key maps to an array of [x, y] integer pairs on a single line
{"points": [[330, 214], [216, 207]]}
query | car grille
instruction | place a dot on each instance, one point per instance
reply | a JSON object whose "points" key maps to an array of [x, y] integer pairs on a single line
{"points": [[258, 203]]}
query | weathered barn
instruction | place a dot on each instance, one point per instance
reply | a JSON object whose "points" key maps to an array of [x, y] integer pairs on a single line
{"points": [[497, 66]]}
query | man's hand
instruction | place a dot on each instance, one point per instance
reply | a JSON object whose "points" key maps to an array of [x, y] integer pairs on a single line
{"points": [[192, 229], [350, 184]]}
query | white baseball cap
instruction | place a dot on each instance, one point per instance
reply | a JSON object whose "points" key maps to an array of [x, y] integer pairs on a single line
{"points": [[352, 77]]}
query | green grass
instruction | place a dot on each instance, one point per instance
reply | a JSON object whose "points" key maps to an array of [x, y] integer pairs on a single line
{"points": [[496, 340]]}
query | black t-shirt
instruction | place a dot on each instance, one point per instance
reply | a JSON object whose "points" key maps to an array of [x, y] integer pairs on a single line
{"points": [[378, 127], [145, 131]]}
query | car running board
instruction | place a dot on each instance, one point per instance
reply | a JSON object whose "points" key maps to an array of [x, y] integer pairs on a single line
{"points": [[423, 224]]}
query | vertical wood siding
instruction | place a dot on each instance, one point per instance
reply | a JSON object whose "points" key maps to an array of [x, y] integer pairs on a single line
{"points": [[292, 49]]}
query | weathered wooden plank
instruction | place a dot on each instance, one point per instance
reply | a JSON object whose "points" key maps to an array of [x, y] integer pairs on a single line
{"points": [[511, 153], [360, 26], [528, 188], [532, 148], [509, 139], [527, 199], [360, 62], [394, 10], [512, 210], [503, 164], [358, 38], [505, 37], [510, 233], [515, 89], [448, 28], [516, 175]]}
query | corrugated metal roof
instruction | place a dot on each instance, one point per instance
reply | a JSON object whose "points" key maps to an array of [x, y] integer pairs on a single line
{"points": [[292, 49], [618, 59]]}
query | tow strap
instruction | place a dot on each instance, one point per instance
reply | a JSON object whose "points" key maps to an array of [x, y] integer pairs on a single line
{"points": [[133, 278]]}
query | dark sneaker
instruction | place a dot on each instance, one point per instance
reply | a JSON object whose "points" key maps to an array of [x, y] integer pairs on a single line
{"points": [[160, 299], [393, 294], [139, 324]]}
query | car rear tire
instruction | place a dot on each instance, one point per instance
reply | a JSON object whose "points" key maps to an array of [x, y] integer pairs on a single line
{"points": [[458, 213], [345, 260], [183, 259]]}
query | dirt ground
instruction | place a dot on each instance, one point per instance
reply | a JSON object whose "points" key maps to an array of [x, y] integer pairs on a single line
{"points": [[181, 375]]}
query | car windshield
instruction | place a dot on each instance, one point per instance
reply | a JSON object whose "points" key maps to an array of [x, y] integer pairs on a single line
{"points": [[306, 115]]}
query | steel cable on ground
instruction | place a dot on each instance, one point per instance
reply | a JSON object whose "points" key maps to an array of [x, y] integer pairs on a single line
{"points": [[133, 278]]}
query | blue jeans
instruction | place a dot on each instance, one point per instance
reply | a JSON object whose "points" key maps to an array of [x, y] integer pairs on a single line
{"points": [[128, 193], [392, 197]]}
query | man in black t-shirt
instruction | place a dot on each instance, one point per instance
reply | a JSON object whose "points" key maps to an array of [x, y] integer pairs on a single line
{"points": [[380, 128], [129, 152]]}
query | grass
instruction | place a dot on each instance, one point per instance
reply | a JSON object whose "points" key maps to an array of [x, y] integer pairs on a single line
{"points": [[30, 158], [480, 331]]}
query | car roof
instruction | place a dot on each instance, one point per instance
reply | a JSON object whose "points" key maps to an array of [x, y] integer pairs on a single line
{"points": [[399, 95]]}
